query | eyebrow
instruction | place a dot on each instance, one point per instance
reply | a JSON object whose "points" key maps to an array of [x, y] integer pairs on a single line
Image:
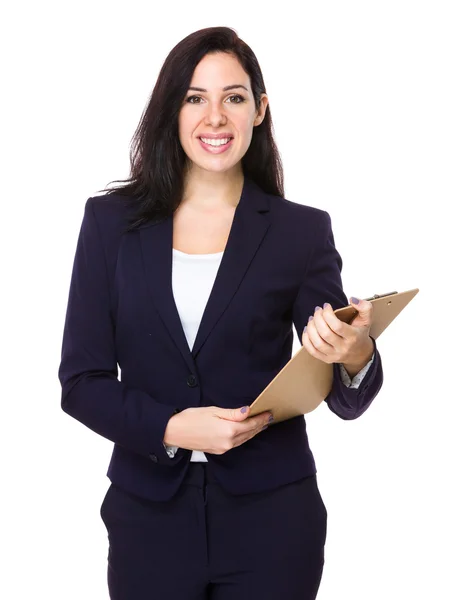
{"points": [[225, 89]]}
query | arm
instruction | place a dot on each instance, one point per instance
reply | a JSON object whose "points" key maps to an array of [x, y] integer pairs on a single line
{"points": [[91, 391], [322, 282]]}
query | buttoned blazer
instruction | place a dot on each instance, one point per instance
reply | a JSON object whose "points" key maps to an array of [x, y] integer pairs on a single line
{"points": [[280, 261]]}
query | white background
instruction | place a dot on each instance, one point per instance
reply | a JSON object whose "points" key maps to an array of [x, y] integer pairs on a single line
{"points": [[370, 106]]}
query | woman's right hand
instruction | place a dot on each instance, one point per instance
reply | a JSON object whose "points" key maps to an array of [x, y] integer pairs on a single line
{"points": [[213, 429]]}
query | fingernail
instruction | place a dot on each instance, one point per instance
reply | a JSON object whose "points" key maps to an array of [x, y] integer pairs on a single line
{"points": [[304, 329], [355, 300], [271, 418], [265, 427], [317, 308], [309, 318], [326, 304], [244, 409]]}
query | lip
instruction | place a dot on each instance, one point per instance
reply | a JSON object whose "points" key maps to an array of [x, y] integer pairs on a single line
{"points": [[215, 136], [216, 149]]}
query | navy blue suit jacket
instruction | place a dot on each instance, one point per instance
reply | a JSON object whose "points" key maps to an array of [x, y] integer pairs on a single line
{"points": [[280, 262]]}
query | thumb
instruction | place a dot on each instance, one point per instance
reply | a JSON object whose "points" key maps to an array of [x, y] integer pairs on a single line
{"points": [[232, 414], [365, 312], [237, 414]]}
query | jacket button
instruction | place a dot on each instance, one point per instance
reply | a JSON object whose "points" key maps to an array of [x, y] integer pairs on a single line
{"points": [[192, 380], [153, 457]]}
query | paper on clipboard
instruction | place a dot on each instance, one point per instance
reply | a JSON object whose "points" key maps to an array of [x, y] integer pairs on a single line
{"points": [[305, 381]]}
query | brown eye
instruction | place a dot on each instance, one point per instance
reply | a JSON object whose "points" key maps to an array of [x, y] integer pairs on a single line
{"points": [[241, 99], [238, 98]]}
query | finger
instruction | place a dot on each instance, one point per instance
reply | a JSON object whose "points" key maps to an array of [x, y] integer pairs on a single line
{"points": [[364, 308], [323, 339], [334, 324], [308, 345], [255, 423], [360, 303], [325, 333], [244, 436]]}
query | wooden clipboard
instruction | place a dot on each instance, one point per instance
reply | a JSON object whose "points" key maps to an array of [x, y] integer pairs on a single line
{"points": [[305, 381]]}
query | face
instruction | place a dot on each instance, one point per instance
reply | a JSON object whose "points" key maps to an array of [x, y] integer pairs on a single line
{"points": [[214, 110]]}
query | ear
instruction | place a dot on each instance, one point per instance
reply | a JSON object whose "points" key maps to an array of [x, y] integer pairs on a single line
{"points": [[264, 101]]}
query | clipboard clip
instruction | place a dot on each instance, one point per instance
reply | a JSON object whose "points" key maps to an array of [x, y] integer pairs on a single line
{"points": [[380, 296]]}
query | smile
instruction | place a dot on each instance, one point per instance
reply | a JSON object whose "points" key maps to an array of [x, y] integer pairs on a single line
{"points": [[216, 146]]}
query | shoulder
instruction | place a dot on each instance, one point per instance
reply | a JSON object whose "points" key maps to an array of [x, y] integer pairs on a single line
{"points": [[298, 215], [111, 212]]}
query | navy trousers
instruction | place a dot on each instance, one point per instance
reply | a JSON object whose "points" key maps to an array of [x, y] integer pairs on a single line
{"points": [[205, 544]]}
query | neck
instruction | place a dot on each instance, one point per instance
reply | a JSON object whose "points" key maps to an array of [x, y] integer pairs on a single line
{"points": [[211, 190]]}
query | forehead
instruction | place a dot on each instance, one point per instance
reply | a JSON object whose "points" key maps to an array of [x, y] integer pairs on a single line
{"points": [[215, 71]]}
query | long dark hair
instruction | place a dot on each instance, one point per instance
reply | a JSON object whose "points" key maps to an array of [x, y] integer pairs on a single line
{"points": [[157, 159]]}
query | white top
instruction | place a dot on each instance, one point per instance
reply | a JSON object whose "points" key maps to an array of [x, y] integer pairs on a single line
{"points": [[192, 280]]}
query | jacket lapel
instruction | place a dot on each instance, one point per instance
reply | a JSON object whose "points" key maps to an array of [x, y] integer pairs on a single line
{"points": [[247, 232]]}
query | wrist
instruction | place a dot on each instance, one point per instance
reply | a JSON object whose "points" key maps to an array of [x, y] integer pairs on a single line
{"points": [[353, 368], [170, 432]]}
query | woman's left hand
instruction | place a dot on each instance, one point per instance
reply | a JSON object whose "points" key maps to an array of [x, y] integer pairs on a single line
{"points": [[331, 340]]}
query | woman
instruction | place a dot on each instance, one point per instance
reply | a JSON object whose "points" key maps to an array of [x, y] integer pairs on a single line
{"points": [[189, 277]]}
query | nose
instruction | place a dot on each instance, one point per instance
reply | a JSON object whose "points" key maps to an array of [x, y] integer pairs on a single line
{"points": [[215, 115]]}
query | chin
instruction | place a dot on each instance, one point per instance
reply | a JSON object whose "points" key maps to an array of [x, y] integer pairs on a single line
{"points": [[214, 166]]}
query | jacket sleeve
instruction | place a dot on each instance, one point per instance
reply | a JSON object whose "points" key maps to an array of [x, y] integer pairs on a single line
{"points": [[91, 390], [322, 283]]}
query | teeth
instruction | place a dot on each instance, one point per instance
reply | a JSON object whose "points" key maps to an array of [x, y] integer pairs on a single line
{"points": [[211, 142]]}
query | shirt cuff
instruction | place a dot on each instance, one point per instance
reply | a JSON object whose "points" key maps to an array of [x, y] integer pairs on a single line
{"points": [[171, 450], [355, 382]]}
